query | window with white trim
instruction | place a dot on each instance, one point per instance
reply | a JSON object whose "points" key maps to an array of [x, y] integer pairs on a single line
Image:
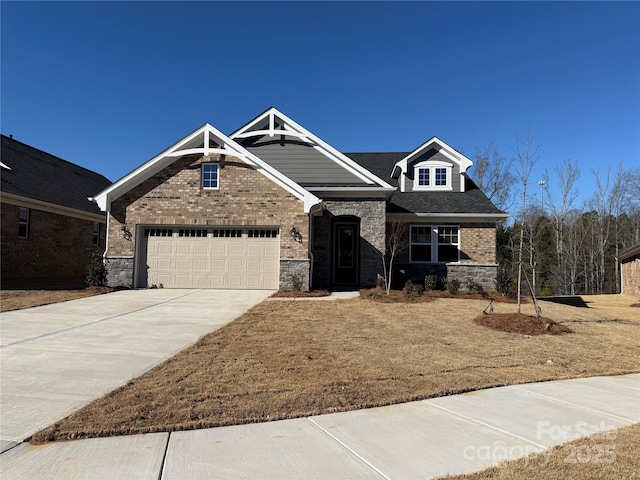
{"points": [[432, 175], [210, 175], [434, 244], [23, 223]]}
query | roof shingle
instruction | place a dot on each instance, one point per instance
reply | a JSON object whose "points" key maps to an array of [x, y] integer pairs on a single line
{"points": [[41, 176]]}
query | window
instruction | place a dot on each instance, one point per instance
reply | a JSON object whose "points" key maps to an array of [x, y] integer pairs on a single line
{"points": [[227, 233], [433, 175], [158, 232], [423, 177], [441, 177], [210, 175], [192, 233], [23, 223], [434, 244], [262, 233], [96, 233]]}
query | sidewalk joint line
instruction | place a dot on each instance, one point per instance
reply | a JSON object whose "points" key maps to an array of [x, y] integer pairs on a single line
{"points": [[96, 321], [349, 449], [493, 427], [164, 457], [574, 404]]}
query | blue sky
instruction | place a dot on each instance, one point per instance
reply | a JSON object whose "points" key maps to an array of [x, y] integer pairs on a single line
{"points": [[109, 85]]}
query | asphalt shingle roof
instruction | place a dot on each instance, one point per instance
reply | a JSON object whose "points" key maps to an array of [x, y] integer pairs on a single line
{"points": [[472, 200], [41, 176]]}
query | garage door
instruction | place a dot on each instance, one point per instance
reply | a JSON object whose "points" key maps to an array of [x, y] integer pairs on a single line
{"points": [[214, 257]]}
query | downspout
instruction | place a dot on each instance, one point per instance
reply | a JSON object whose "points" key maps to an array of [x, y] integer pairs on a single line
{"points": [[310, 247]]}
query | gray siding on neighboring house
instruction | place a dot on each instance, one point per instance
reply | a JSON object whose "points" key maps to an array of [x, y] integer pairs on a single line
{"points": [[301, 162], [436, 156]]}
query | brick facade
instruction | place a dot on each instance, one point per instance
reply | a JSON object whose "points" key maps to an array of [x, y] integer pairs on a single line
{"points": [[174, 197], [56, 253], [631, 276]]}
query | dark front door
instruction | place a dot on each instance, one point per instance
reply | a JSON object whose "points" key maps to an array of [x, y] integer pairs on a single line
{"points": [[346, 238]]}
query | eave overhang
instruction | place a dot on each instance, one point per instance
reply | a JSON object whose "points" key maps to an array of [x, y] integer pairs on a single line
{"points": [[454, 217], [27, 202]]}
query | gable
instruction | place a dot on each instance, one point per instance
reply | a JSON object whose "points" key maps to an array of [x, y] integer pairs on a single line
{"points": [[434, 150], [301, 155], [206, 141]]}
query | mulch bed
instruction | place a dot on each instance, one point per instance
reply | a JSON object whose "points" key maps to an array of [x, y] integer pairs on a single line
{"points": [[399, 296], [300, 294], [523, 324]]}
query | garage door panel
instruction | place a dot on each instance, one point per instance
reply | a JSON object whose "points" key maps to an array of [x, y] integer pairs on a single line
{"points": [[235, 249], [165, 264], [199, 264], [165, 248], [235, 265], [254, 265], [218, 249], [197, 258], [183, 248], [200, 249], [183, 264]]}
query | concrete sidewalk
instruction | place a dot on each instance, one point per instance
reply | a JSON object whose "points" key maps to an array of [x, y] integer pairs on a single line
{"points": [[56, 358], [426, 439]]}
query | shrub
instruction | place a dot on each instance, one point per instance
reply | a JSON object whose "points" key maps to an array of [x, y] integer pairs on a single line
{"points": [[96, 271], [503, 281], [412, 290], [453, 285], [545, 291], [296, 283], [474, 287], [430, 282]]}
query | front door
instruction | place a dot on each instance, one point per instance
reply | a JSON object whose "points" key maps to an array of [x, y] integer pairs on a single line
{"points": [[346, 239]]}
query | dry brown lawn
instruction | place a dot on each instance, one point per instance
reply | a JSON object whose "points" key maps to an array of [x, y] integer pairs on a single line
{"points": [[603, 456], [292, 359], [19, 299]]}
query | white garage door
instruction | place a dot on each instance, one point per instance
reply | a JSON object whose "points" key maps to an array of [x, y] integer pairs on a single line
{"points": [[214, 257]]}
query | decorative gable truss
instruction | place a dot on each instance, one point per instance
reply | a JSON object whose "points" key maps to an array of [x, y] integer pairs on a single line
{"points": [[205, 141], [273, 125], [431, 167]]}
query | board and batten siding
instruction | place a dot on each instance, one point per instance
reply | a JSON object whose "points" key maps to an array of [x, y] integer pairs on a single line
{"points": [[436, 156], [302, 163]]}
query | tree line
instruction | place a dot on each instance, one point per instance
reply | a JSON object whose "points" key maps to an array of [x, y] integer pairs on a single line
{"points": [[553, 245]]}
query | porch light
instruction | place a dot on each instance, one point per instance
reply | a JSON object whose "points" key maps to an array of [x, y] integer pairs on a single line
{"points": [[295, 234], [125, 232]]}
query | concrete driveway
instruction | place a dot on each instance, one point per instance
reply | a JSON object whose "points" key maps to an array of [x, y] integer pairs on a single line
{"points": [[56, 358]]}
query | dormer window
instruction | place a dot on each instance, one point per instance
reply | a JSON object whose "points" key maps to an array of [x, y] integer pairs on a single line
{"points": [[432, 175]]}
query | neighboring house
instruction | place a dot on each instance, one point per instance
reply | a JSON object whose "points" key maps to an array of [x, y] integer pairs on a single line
{"points": [[630, 270], [49, 226], [274, 206]]}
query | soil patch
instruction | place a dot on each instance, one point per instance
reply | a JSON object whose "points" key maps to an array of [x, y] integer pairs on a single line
{"points": [[19, 299], [522, 324]]}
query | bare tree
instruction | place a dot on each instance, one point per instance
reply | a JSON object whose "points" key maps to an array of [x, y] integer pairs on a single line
{"points": [[608, 202], [567, 174], [396, 242], [492, 174], [527, 157]]}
